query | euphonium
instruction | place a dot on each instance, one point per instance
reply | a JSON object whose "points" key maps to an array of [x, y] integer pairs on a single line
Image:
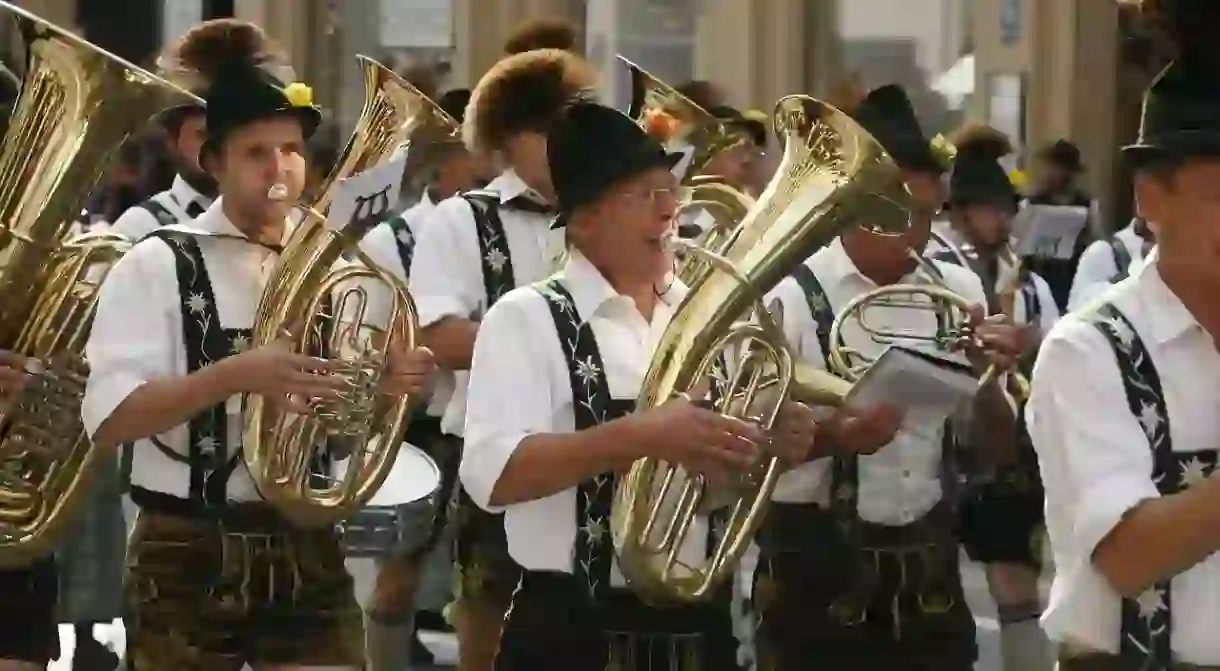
{"points": [[833, 175], [322, 309], [705, 137], [949, 309], [77, 104]]}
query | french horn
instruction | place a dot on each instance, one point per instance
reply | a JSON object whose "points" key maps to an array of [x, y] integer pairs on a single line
{"points": [[77, 104], [705, 137], [321, 306], [833, 175]]}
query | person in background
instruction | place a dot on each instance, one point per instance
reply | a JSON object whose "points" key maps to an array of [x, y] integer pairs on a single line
{"points": [[415, 581], [702, 92], [1057, 175], [323, 149], [1107, 262]]}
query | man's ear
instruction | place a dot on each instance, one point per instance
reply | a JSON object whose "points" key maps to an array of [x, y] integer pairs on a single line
{"points": [[209, 160], [1150, 191]]}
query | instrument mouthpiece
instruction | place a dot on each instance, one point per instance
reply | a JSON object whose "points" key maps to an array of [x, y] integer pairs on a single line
{"points": [[277, 192]]}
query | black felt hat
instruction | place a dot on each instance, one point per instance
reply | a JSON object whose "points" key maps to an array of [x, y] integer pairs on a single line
{"points": [[1181, 116], [454, 103], [1063, 154], [887, 114], [978, 178], [242, 93], [591, 148]]}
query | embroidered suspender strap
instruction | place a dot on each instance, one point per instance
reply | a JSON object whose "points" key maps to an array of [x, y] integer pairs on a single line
{"points": [[1122, 259], [592, 405], [1146, 620], [162, 214], [498, 278], [206, 342], [1033, 304], [404, 240]]}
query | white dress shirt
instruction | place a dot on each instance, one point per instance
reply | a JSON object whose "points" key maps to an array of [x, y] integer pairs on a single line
{"points": [[901, 482], [138, 222], [137, 338], [380, 246], [1097, 266], [520, 386], [447, 269], [1096, 462]]}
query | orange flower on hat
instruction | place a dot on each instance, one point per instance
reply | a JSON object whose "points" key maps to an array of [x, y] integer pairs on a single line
{"points": [[660, 124]]}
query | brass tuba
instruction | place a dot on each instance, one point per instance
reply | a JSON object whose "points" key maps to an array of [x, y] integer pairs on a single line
{"points": [[77, 104], [322, 307], [706, 137], [833, 175]]}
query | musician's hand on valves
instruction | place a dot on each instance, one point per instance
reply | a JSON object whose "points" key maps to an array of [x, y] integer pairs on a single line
{"points": [[793, 434], [12, 375], [861, 430], [699, 439], [408, 372], [992, 341], [283, 376]]}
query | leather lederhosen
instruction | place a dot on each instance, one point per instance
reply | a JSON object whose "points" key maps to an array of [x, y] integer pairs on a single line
{"points": [[832, 591], [211, 584], [29, 630], [484, 568], [1001, 516], [1146, 622], [578, 621]]}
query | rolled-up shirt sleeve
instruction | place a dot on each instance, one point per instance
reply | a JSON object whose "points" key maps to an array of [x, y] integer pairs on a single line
{"points": [[136, 331], [1095, 460], [511, 395], [1093, 274], [446, 269]]}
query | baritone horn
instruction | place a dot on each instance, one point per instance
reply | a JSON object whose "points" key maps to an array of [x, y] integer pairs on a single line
{"points": [[703, 137], [76, 105], [833, 175], [323, 309]]}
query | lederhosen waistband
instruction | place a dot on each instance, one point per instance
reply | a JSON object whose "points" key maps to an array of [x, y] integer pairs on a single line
{"points": [[552, 611], [245, 517], [1107, 662]]}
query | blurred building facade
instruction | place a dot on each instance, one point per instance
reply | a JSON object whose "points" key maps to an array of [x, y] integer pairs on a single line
{"points": [[1049, 69]]}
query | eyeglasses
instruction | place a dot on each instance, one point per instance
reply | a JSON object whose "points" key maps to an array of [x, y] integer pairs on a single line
{"points": [[656, 196]]}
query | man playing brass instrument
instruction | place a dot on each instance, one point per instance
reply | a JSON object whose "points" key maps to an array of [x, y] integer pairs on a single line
{"points": [[29, 634], [859, 564], [1001, 512], [557, 368], [474, 248], [216, 577]]}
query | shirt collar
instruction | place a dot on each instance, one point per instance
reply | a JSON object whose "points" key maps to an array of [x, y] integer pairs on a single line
{"points": [[510, 185], [184, 194], [1168, 317], [590, 290], [214, 221]]}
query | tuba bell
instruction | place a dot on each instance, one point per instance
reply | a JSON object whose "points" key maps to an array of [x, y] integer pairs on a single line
{"points": [[705, 137], [322, 307], [77, 104], [833, 175]]}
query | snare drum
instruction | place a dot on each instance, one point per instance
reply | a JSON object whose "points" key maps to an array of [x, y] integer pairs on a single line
{"points": [[399, 515]]}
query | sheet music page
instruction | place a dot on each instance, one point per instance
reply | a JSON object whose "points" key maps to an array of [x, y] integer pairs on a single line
{"points": [[927, 388], [374, 188], [1048, 231]]}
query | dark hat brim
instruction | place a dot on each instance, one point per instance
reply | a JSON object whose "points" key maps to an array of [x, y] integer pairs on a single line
{"points": [[1178, 145], [310, 117], [627, 170]]}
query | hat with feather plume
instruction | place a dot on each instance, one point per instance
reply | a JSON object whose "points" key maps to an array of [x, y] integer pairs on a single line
{"points": [[241, 76]]}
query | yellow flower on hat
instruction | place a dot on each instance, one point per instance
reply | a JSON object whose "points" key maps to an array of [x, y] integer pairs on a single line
{"points": [[1019, 180], [299, 95]]}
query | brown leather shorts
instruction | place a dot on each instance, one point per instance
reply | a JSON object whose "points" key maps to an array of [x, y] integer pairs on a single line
{"points": [[206, 595], [28, 631]]}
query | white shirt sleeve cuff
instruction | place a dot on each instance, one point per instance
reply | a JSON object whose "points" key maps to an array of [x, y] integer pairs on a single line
{"points": [[432, 309], [1104, 503], [482, 467], [103, 396]]}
